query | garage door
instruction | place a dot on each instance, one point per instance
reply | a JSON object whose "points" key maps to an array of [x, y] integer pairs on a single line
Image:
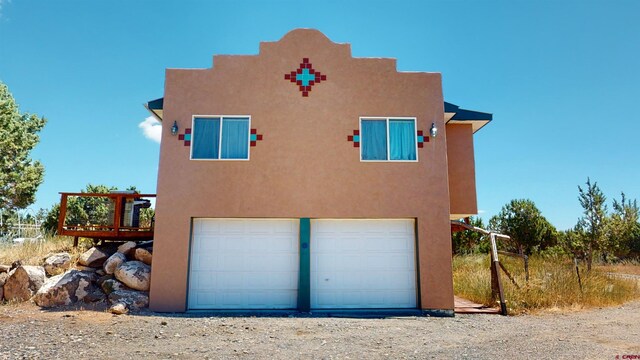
{"points": [[244, 264], [363, 264]]}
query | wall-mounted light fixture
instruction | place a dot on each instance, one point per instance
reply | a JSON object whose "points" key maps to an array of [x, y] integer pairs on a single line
{"points": [[434, 130], [174, 128]]}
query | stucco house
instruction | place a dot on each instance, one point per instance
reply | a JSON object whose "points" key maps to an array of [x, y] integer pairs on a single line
{"points": [[304, 178]]}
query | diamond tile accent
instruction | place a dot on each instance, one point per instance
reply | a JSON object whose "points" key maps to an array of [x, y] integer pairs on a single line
{"points": [[254, 137], [186, 137], [305, 77], [355, 138]]}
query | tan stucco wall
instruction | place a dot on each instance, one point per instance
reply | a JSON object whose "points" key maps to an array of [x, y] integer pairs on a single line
{"points": [[304, 167], [462, 175]]}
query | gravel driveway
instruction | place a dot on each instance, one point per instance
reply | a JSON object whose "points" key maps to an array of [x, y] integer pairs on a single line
{"points": [[28, 332]]}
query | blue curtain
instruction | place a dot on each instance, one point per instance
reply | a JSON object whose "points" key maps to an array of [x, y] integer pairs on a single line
{"points": [[402, 139], [206, 137], [235, 138], [374, 139]]}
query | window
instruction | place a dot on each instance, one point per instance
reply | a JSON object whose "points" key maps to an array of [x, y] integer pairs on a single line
{"points": [[220, 138], [388, 139]]}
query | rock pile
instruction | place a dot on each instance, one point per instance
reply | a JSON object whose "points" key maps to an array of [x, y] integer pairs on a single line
{"points": [[119, 277]]}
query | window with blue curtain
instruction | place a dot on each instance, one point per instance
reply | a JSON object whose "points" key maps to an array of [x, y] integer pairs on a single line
{"points": [[374, 139], [388, 139], [206, 136], [402, 139], [220, 138], [235, 138]]}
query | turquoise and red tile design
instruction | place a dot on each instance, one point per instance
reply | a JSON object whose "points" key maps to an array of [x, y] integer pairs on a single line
{"points": [[355, 138], [186, 137], [255, 137], [305, 77], [422, 139]]}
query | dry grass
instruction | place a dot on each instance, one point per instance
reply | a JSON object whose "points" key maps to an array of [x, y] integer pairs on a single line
{"points": [[553, 284], [624, 267], [34, 253]]}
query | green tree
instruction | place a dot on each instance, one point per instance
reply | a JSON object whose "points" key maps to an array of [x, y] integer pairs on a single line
{"points": [[20, 176], [622, 227], [593, 224], [50, 223], [524, 223], [572, 242], [467, 241], [634, 242]]}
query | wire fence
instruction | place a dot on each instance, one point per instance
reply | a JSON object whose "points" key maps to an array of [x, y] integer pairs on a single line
{"points": [[20, 226]]}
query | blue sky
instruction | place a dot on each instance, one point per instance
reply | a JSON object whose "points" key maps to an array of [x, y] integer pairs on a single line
{"points": [[562, 79]]}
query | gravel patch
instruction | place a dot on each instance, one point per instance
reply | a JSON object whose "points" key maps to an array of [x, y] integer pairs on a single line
{"points": [[27, 332]]}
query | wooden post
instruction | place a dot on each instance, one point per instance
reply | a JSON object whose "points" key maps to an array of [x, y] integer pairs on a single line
{"points": [[117, 214], [63, 213], [495, 289], [75, 241], [575, 261], [494, 270], [526, 268]]}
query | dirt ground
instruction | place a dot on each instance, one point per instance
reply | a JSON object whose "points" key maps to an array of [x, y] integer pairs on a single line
{"points": [[27, 332]]}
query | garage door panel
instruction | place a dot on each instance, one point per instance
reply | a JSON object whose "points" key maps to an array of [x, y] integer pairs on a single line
{"points": [[266, 299], [232, 226], [206, 245], [204, 297], [203, 281], [246, 264], [203, 227], [363, 264]]}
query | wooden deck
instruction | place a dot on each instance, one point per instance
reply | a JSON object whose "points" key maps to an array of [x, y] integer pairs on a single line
{"points": [[116, 228], [464, 306]]}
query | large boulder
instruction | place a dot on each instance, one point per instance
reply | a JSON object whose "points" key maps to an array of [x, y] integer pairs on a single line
{"points": [[113, 262], [23, 282], [93, 257], [143, 255], [65, 289], [127, 248], [57, 263], [134, 274], [3, 279], [132, 299]]}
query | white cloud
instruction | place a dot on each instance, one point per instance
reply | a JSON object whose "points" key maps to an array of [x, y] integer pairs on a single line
{"points": [[151, 128]]}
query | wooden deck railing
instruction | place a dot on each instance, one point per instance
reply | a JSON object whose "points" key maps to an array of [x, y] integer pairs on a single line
{"points": [[114, 230]]}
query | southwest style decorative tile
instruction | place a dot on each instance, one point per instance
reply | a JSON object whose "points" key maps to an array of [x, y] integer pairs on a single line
{"points": [[305, 77], [422, 139], [255, 137], [186, 137], [355, 138]]}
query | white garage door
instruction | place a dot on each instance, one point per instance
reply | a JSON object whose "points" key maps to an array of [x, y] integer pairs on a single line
{"points": [[363, 264], [244, 264]]}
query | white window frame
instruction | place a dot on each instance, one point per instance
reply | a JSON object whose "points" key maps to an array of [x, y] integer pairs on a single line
{"points": [[387, 118], [193, 120]]}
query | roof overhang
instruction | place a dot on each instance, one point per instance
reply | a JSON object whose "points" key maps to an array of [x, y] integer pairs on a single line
{"points": [[453, 114], [155, 107]]}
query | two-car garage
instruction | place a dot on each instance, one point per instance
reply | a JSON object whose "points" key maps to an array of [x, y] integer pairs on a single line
{"points": [[255, 264]]}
